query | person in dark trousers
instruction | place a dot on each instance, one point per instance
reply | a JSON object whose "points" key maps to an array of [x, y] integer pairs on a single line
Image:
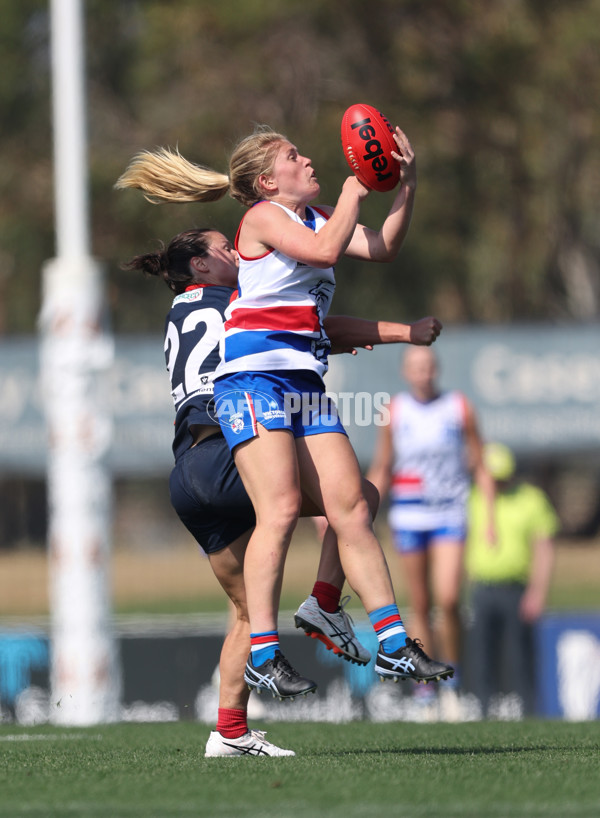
{"points": [[509, 583]]}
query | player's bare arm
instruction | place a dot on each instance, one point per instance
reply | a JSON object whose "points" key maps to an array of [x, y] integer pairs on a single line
{"points": [[346, 333]]}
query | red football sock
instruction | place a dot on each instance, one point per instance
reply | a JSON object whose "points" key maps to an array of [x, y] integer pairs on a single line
{"points": [[328, 596], [232, 723]]}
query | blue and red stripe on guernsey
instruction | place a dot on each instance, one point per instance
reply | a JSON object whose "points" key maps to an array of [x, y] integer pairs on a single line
{"points": [[276, 322], [407, 488]]}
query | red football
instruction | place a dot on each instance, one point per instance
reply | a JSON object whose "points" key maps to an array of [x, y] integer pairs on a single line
{"points": [[367, 141]]}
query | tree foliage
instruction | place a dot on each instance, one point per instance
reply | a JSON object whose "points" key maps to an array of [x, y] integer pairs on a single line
{"points": [[498, 99]]}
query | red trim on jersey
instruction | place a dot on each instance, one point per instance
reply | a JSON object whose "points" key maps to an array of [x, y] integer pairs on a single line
{"points": [[412, 480], [267, 252], [320, 212], [191, 287], [294, 319], [237, 237]]}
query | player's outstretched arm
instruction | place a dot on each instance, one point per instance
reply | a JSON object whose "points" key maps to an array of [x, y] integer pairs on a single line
{"points": [[346, 333]]}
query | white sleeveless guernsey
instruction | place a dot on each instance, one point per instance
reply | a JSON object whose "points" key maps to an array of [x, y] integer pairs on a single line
{"points": [[276, 322], [430, 479]]}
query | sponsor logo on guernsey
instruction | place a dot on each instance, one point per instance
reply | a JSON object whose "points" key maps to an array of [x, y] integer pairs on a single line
{"points": [[186, 298], [273, 412]]}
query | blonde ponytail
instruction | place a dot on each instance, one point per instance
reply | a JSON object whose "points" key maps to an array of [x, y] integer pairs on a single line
{"points": [[165, 176]]}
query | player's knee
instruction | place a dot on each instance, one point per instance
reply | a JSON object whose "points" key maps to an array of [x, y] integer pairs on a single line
{"points": [[281, 516], [240, 606], [350, 515], [448, 605]]}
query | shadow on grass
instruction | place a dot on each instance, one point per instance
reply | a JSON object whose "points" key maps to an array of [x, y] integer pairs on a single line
{"points": [[444, 751]]}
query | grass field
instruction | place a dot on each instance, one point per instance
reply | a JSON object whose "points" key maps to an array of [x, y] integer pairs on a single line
{"points": [[487, 769]]}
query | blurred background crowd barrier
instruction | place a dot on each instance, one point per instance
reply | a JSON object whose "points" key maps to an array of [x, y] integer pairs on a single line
{"points": [[535, 388]]}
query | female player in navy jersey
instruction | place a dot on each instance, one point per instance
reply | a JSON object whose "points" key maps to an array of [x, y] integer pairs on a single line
{"points": [[201, 268], [274, 355]]}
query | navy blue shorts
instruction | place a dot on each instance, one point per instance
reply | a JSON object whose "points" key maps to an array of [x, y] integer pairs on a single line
{"points": [[208, 495]]}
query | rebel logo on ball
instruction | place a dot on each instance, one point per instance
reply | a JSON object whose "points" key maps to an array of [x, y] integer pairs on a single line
{"points": [[373, 150], [368, 143]]}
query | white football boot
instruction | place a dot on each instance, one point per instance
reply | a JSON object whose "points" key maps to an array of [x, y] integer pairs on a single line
{"points": [[252, 743]]}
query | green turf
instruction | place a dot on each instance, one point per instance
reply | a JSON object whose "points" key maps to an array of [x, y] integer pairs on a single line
{"points": [[488, 770]]}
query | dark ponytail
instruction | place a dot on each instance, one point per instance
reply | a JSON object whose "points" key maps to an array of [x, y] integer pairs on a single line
{"points": [[172, 263]]}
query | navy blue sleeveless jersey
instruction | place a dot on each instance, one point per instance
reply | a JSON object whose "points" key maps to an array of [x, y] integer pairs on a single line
{"points": [[193, 331]]}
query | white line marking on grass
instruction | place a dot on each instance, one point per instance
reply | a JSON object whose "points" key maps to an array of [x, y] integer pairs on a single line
{"points": [[58, 737]]}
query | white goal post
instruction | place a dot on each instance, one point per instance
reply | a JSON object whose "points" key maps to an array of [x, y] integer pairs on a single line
{"points": [[76, 351]]}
